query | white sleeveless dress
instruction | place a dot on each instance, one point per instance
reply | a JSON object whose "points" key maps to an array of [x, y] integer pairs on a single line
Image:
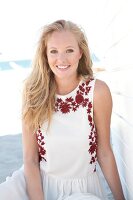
{"points": [[67, 151]]}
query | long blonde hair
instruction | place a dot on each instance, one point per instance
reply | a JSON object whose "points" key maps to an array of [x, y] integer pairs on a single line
{"points": [[40, 86]]}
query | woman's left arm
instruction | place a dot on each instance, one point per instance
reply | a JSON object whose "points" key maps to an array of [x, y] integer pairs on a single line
{"points": [[102, 118]]}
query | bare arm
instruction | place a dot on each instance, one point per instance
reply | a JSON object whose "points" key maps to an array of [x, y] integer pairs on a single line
{"points": [[102, 117], [31, 165]]}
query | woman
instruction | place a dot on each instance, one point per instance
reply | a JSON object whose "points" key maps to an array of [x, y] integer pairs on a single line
{"points": [[66, 123]]}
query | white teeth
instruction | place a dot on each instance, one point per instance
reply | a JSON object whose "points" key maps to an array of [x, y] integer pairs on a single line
{"points": [[62, 67]]}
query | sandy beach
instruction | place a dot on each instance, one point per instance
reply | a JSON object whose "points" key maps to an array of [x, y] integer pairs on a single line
{"points": [[10, 155], [11, 82]]}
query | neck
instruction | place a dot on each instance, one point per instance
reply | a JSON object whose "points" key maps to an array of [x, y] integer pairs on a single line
{"points": [[65, 86]]}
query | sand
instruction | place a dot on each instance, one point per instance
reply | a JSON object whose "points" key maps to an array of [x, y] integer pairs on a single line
{"points": [[10, 155]]}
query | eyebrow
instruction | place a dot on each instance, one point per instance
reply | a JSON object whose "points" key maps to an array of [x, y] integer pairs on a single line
{"points": [[66, 47], [70, 47]]}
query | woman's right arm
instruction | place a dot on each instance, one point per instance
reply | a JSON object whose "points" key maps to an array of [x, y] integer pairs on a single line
{"points": [[31, 164]]}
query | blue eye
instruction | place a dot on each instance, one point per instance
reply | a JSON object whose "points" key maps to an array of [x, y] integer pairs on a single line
{"points": [[69, 50], [53, 51]]}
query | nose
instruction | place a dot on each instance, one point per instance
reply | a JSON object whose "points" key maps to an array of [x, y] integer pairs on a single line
{"points": [[61, 57]]}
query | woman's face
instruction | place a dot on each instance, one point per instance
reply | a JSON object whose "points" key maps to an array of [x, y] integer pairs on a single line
{"points": [[63, 54]]}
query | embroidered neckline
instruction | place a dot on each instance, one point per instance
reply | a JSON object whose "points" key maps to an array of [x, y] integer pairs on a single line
{"points": [[70, 93], [73, 102]]}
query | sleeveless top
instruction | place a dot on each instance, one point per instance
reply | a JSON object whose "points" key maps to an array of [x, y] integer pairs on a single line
{"points": [[70, 143], [68, 149]]}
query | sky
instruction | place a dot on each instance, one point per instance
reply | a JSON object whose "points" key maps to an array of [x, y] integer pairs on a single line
{"points": [[21, 21]]}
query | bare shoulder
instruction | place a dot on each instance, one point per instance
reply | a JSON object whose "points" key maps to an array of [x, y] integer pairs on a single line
{"points": [[101, 88], [102, 94]]}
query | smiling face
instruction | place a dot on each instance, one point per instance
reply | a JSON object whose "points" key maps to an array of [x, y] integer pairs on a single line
{"points": [[63, 54]]}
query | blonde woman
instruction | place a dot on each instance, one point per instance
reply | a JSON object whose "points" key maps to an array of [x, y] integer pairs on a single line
{"points": [[66, 124]]}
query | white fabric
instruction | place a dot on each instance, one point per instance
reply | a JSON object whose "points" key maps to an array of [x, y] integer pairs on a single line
{"points": [[80, 196], [66, 170]]}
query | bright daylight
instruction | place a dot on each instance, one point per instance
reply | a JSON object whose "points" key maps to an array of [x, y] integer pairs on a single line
{"points": [[108, 27]]}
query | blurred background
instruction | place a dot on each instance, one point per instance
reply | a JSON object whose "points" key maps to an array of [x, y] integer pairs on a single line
{"points": [[108, 25]]}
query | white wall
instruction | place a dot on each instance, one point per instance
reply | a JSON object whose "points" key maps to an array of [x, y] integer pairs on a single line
{"points": [[117, 57], [120, 83]]}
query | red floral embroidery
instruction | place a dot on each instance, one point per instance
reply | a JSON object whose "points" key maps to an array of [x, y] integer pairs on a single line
{"points": [[41, 143], [93, 144], [71, 104], [65, 107], [79, 98]]}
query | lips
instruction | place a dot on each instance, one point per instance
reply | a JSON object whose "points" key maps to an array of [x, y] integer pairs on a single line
{"points": [[63, 67]]}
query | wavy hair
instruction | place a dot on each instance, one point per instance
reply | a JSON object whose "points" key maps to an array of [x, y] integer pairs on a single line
{"points": [[40, 87]]}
